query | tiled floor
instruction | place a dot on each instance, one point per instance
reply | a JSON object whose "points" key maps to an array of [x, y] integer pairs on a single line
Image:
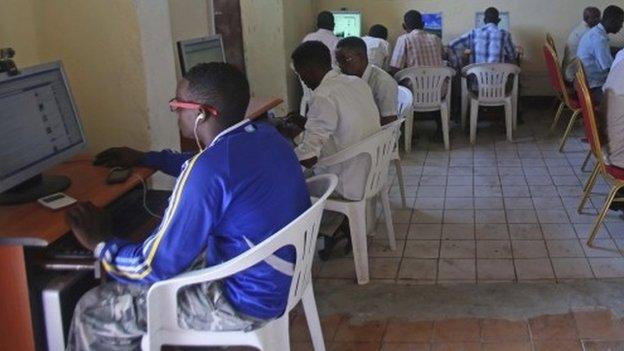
{"points": [[495, 212], [578, 331]]}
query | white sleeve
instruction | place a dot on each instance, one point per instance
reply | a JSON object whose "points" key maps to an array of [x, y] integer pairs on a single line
{"points": [[322, 121], [386, 98]]}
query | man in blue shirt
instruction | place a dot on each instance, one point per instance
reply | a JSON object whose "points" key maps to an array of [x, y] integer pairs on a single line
{"points": [[488, 44], [594, 51], [244, 187]]}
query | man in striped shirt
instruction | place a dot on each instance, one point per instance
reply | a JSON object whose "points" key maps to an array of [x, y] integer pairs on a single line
{"points": [[416, 47], [488, 44]]}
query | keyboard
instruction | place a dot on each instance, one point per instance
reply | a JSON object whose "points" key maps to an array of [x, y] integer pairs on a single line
{"points": [[67, 247]]}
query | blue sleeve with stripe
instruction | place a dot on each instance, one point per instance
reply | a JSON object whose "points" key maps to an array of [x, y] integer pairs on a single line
{"points": [[166, 161], [182, 236]]}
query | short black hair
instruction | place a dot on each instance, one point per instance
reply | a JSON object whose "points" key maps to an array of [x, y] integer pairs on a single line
{"points": [[612, 16], [378, 31], [491, 15], [325, 20], [221, 86], [413, 20], [353, 43], [591, 12], [312, 53]]}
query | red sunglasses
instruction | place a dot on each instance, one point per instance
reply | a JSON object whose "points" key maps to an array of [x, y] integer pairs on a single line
{"points": [[176, 105]]}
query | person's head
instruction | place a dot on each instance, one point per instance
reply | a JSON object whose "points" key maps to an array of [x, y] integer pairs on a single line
{"points": [[491, 15], [351, 56], [378, 31], [219, 91], [312, 61], [591, 16], [325, 20], [612, 19], [412, 20]]}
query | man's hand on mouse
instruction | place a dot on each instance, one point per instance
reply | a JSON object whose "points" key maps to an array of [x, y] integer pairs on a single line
{"points": [[90, 225], [118, 157]]}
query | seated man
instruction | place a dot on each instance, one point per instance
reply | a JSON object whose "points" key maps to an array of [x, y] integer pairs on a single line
{"points": [[488, 44], [594, 51], [613, 111], [325, 32], [416, 47], [377, 45], [342, 112], [352, 60], [591, 17], [244, 187]]}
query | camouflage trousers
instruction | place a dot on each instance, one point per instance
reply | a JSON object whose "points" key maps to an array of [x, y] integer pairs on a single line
{"points": [[113, 316]]}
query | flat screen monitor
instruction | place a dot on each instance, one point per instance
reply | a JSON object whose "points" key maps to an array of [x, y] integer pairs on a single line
{"points": [[39, 128], [433, 23], [200, 50], [347, 24], [503, 24]]}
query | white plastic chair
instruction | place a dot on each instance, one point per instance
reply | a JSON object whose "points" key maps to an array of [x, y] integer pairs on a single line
{"points": [[491, 81], [378, 148], [428, 91], [405, 112], [301, 233]]}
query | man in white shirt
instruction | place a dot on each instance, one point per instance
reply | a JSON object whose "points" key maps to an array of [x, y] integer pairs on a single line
{"points": [[377, 46], [353, 60], [342, 112], [591, 17], [324, 33], [613, 109], [619, 57]]}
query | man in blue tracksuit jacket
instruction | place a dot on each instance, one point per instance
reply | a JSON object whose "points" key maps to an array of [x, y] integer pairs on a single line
{"points": [[243, 187]]}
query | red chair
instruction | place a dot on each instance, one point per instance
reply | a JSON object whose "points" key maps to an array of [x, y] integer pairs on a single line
{"points": [[612, 174], [567, 99]]}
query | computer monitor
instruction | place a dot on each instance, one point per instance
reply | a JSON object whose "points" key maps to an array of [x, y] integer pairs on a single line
{"points": [[200, 50], [347, 24], [433, 23], [503, 24], [39, 128]]}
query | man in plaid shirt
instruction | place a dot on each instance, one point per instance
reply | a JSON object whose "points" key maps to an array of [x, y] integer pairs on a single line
{"points": [[488, 44], [416, 47]]}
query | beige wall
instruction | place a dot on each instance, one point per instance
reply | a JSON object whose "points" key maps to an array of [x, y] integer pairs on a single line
{"points": [[263, 39], [529, 19], [299, 20], [190, 19], [17, 30]]}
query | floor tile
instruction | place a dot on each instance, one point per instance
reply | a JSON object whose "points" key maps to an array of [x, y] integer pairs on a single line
{"points": [[338, 268], [507, 346], [456, 330], [488, 203], [434, 203], [491, 232], [427, 216], [558, 345], [459, 191], [408, 331], [456, 269], [490, 216], [380, 248], [599, 325], [602, 248], [458, 232], [488, 191], [459, 203], [518, 203], [422, 248], [458, 216], [565, 248], [521, 216], [494, 249], [424, 231], [525, 232], [553, 327], [552, 216], [457, 249], [591, 345], [354, 346], [504, 330], [402, 346], [418, 269], [384, 268], [607, 267], [431, 191], [456, 346], [558, 231], [495, 270], [529, 249], [534, 269], [369, 331], [572, 268]]}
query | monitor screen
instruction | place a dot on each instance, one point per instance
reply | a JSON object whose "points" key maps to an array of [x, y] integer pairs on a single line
{"points": [[433, 23], [347, 24], [503, 24], [39, 125], [200, 50]]}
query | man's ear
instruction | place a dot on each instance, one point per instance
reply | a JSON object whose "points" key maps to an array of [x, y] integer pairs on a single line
{"points": [[404, 26]]}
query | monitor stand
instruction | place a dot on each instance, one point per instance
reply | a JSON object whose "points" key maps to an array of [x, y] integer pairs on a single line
{"points": [[33, 189]]}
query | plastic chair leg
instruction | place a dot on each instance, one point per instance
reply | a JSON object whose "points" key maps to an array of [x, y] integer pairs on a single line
{"points": [[568, 130], [357, 225], [464, 102], [509, 119], [407, 135], [474, 111], [385, 201], [399, 172], [312, 317], [444, 115]]}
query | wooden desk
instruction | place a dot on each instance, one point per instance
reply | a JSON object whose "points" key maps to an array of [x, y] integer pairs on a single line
{"points": [[257, 108], [33, 225]]}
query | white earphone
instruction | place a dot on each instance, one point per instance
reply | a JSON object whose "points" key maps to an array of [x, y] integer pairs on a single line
{"points": [[200, 118]]}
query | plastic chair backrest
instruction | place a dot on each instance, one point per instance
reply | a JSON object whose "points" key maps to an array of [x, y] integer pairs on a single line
{"points": [[492, 79], [379, 148], [301, 234], [427, 84], [589, 115], [551, 42], [405, 101]]}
